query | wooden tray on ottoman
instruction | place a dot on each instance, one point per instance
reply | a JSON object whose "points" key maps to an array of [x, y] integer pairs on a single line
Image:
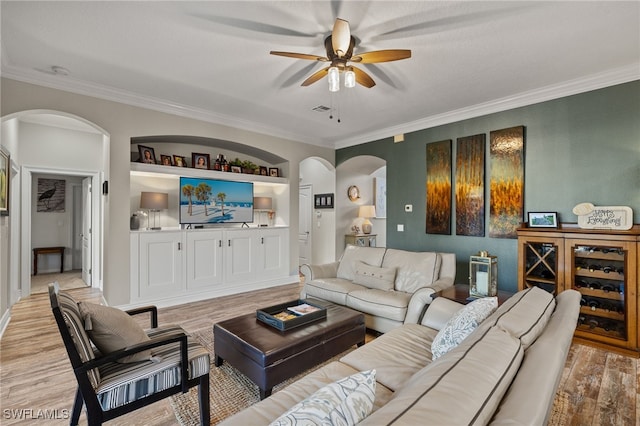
{"points": [[273, 315]]}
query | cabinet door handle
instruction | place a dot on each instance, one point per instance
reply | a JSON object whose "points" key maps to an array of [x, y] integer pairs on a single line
{"points": [[179, 246], [219, 243], [262, 240], [229, 243]]}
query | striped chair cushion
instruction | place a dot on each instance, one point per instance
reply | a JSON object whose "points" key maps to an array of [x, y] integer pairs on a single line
{"points": [[75, 324], [125, 383]]}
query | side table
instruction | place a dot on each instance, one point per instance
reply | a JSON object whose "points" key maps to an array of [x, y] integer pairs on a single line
{"points": [[460, 293], [47, 250]]}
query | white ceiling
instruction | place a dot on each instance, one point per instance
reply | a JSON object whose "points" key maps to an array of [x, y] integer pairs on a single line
{"points": [[210, 59]]}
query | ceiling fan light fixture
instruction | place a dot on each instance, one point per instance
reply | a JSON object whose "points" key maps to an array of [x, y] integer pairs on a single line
{"points": [[333, 77], [349, 79]]}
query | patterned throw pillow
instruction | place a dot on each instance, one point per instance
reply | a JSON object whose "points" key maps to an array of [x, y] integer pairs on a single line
{"points": [[462, 324], [111, 329], [344, 402]]}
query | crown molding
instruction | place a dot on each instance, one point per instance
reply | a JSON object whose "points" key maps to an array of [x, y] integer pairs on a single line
{"points": [[568, 88], [69, 84], [556, 91]]}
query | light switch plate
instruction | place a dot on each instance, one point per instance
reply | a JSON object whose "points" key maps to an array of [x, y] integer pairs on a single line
{"points": [[400, 228]]}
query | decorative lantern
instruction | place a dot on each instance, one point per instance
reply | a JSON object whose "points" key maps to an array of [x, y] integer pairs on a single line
{"points": [[483, 275]]}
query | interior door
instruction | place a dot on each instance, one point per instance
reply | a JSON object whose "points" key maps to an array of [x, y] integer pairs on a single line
{"points": [[305, 224], [86, 231]]}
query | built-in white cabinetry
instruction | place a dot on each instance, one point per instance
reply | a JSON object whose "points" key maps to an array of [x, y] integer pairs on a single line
{"points": [[161, 263], [204, 258], [177, 266]]}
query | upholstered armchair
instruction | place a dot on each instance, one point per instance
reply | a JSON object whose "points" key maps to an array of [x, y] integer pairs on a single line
{"points": [[145, 368]]}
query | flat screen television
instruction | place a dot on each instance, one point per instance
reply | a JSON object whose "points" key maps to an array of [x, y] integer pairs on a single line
{"points": [[213, 201]]}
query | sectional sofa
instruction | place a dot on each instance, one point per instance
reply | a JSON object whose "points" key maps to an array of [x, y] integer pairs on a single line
{"points": [[506, 371], [389, 286]]}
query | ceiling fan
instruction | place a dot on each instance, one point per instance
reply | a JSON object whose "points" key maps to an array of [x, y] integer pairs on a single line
{"points": [[339, 46]]}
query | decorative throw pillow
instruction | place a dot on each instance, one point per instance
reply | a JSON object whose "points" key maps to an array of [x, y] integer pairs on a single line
{"points": [[462, 324], [111, 329], [374, 277], [345, 402]]}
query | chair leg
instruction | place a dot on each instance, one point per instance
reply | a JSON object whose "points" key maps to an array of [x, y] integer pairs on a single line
{"points": [[77, 408], [203, 399]]}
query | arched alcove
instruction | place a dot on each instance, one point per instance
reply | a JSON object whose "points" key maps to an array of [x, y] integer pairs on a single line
{"points": [[361, 171]]}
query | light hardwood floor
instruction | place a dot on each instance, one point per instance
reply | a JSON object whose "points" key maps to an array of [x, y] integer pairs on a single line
{"points": [[35, 373]]}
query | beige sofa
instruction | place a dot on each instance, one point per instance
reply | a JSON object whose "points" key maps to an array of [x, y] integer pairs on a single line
{"points": [[505, 372], [389, 286]]}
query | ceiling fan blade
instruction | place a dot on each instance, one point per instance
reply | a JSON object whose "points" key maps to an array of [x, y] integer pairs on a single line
{"points": [[300, 56], [316, 76], [381, 56], [340, 37], [363, 78]]}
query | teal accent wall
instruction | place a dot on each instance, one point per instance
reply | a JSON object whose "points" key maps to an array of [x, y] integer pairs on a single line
{"points": [[581, 148]]}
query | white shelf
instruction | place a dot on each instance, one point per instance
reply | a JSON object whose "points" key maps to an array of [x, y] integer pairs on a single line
{"points": [[172, 172]]}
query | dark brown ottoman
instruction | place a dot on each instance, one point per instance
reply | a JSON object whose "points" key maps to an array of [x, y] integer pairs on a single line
{"points": [[269, 356]]}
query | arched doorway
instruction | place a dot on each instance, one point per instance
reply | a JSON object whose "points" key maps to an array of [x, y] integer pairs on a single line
{"points": [[53, 143]]}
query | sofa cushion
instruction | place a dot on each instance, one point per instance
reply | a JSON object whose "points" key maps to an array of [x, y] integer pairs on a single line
{"points": [[352, 254], [462, 324], [542, 368], [331, 289], [462, 388], [344, 402], [525, 314], [111, 329], [374, 277], [396, 355], [414, 269], [269, 409], [381, 303]]}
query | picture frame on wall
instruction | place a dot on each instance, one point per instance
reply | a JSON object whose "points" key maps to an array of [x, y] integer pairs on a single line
{"points": [[5, 176], [200, 161], [147, 154], [323, 201], [542, 219]]}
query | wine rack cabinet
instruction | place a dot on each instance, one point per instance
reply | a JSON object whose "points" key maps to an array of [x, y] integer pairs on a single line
{"points": [[603, 265]]}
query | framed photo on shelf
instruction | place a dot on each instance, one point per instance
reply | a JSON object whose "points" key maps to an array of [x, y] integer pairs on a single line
{"points": [[323, 201], [165, 160], [264, 171], [273, 172], [542, 219], [200, 161], [236, 169], [147, 154], [179, 161]]}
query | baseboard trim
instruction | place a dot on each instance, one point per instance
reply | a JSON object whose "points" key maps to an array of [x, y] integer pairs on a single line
{"points": [[4, 321]]}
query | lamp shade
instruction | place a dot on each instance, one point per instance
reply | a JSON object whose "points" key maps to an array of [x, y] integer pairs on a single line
{"points": [[262, 203], [154, 200], [367, 211]]}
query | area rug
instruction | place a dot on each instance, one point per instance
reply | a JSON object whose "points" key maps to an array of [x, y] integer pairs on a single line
{"points": [[230, 390]]}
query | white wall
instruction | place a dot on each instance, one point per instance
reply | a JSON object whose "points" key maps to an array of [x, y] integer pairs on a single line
{"points": [[322, 179], [122, 122]]}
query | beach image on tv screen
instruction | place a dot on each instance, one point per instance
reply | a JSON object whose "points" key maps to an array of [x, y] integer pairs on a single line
{"points": [[215, 201]]}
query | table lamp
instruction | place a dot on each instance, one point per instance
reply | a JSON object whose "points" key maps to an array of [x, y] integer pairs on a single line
{"points": [[367, 212], [154, 202], [262, 205]]}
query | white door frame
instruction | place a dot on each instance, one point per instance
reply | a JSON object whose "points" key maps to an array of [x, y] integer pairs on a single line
{"points": [[97, 256], [308, 188]]}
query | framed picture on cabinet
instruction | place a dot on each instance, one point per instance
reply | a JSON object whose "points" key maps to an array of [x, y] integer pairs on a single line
{"points": [[264, 171], [236, 169], [165, 160], [147, 154], [274, 172], [200, 161], [543, 219], [180, 161]]}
